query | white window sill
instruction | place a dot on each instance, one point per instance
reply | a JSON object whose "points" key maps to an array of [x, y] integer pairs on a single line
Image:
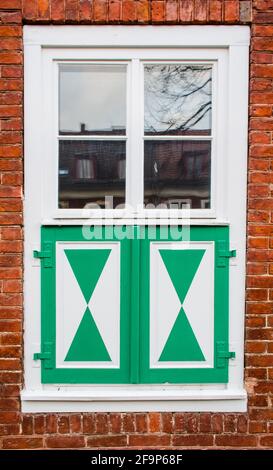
{"points": [[122, 400]]}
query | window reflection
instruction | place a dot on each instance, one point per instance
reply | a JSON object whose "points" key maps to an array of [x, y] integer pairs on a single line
{"points": [[177, 173], [89, 171], [92, 99], [178, 99]]}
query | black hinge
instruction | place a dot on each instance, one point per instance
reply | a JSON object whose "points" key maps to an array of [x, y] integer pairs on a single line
{"points": [[223, 354], [223, 253], [46, 254], [46, 355]]}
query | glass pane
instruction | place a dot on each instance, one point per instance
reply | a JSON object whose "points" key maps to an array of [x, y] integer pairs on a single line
{"points": [[92, 99], [177, 99], [89, 171], [177, 173]]}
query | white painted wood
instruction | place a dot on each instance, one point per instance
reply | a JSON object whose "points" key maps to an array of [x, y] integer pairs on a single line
{"points": [[139, 36], [127, 400], [104, 305], [198, 305], [190, 42]]}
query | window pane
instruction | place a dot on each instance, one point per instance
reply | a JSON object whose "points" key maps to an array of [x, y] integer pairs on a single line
{"points": [[177, 173], [177, 99], [89, 171], [92, 99]]}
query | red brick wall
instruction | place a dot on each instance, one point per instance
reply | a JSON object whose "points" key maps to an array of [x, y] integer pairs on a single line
{"points": [[252, 429]]}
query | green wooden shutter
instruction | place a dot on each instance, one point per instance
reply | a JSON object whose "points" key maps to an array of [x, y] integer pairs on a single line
{"points": [[148, 310]]}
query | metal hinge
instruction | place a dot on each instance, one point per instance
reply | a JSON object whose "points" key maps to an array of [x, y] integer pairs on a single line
{"points": [[45, 355], [223, 354], [46, 254], [223, 253]]}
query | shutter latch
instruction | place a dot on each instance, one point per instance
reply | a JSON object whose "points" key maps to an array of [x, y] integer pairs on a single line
{"points": [[45, 255], [223, 354], [46, 355], [223, 254]]}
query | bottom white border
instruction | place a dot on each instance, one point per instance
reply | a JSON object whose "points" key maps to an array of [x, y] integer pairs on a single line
{"points": [[136, 401]]}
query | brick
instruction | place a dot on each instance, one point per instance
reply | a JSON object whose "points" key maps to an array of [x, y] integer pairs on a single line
{"points": [[217, 422], [263, 5], [7, 31], [128, 422], [9, 17], [142, 11], [100, 11], [10, 43], [255, 427], [10, 338], [229, 423], [85, 11], [75, 423], [192, 423], [186, 10], [154, 422], [215, 10], [167, 423], [9, 404], [141, 422], [39, 424], [205, 423], [236, 441], [30, 9], [64, 442], [10, 377], [27, 425], [199, 440], [51, 424], [102, 423], [148, 440], [245, 11], [158, 11], [10, 326], [13, 429], [10, 351], [115, 422], [89, 424], [128, 11], [231, 11], [22, 443], [200, 10], [9, 417], [107, 441], [254, 322], [171, 11], [263, 31], [256, 334], [10, 4], [71, 11], [43, 9], [57, 11], [63, 425]]}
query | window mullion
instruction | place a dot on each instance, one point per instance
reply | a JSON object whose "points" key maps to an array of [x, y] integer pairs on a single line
{"points": [[134, 172]]}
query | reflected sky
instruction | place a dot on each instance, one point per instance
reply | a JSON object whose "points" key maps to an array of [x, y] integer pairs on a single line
{"points": [[93, 95]]}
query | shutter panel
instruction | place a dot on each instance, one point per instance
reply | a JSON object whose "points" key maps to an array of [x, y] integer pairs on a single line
{"points": [[152, 310], [184, 307], [85, 308]]}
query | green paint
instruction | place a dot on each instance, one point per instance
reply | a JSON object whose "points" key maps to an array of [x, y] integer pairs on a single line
{"points": [[182, 266], [122, 375], [87, 344], [181, 344], [87, 266]]}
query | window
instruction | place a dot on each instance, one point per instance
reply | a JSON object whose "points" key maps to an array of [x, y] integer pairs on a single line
{"points": [[125, 127]]}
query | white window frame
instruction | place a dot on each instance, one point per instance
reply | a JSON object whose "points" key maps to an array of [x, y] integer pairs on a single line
{"points": [[229, 46]]}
